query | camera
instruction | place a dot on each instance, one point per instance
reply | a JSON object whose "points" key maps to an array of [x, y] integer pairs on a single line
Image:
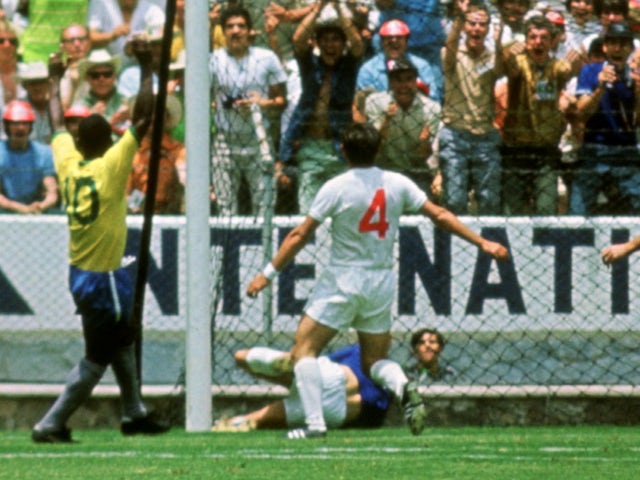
{"points": [[228, 101]]}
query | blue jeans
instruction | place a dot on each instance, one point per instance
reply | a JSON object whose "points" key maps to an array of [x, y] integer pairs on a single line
{"points": [[469, 161], [530, 179], [602, 166]]}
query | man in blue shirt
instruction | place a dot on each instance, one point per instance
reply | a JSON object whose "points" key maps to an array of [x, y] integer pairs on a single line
{"points": [[27, 176], [608, 94], [424, 19], [394, 36]]}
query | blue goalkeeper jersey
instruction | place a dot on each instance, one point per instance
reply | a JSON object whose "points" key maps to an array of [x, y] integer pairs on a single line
{"points": [[375, 399]]}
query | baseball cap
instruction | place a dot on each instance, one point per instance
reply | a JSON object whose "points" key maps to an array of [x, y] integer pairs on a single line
{"points": [[618, 30], [401, 64]]}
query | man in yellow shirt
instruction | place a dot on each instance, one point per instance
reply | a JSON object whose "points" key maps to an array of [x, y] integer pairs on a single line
{"points": [[93, 177]]}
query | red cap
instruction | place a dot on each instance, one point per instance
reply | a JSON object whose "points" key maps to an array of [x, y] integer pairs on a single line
{"points": [[423, 87], [555, 17], [394, 28], [81, 111], [18, 111]]}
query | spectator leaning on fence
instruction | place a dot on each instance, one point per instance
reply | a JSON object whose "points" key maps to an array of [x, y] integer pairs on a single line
{"points": [[94, 175], [408, 122], [27, 177], [246, 81], [609, 100], [534, 123], [469, 142]]}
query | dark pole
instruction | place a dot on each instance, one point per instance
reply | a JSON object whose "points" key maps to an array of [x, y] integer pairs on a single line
{"points": [[152, 183]]}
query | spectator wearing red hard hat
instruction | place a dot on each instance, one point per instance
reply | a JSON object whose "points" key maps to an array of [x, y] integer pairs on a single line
{"points": [[394, 36], [425, 21], [27, 176], [73, 116]]}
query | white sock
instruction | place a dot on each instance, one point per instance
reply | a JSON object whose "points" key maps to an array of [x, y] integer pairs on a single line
{"points": [[390, 375], [260, 360], [309, 383]]}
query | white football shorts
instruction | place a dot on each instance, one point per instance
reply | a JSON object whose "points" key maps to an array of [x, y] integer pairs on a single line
{"points": [[355, 297]]}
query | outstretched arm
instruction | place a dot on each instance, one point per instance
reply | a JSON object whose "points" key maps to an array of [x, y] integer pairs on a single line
{"points": [[615, 252], [143, 108], [56, 70], [292, 244], [446, 220]]}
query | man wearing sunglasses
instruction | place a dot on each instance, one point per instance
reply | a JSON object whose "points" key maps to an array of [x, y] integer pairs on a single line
{"points": [[100, 70]]}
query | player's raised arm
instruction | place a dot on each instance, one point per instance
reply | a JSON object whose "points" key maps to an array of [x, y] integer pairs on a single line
{"points": [[291, 245], [143, 108], [446, 220]]}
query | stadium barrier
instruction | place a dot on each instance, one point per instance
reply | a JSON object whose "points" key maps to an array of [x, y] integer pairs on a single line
{"points": [[552, 323]]}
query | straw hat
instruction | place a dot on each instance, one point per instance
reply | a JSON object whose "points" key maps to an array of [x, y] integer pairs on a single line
{"points": [[99, 57]]}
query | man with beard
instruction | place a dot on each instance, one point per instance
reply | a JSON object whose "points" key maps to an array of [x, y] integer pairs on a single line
{"points": [[534, 123], [469, 141]]}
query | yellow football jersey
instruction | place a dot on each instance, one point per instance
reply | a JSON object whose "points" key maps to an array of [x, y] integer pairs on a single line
{"points": [[93, 193]]}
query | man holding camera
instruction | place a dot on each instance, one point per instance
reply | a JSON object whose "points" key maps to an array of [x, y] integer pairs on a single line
{"points": [[608, 100], [246, 81]]}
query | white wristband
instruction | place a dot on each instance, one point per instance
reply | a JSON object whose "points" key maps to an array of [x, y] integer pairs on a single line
{"points": [[270, 272]]}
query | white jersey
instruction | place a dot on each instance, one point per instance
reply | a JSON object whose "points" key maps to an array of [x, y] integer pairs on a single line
{"points": [[233, 78], [365, 205]]}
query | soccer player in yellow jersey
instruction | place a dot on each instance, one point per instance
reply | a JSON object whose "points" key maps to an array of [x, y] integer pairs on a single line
{"points": [[93, 174]]}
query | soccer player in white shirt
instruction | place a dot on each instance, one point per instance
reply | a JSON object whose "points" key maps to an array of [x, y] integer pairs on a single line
{"points": [[356, 288]]}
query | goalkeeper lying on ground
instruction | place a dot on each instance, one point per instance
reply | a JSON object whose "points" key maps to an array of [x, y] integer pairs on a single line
{"points": [[350, 398]]}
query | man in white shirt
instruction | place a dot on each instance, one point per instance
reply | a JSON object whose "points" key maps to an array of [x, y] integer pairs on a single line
{"points": [[246, 81]]}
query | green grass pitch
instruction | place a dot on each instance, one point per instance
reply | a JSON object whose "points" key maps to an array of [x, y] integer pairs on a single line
{"points": [[490, 453]]}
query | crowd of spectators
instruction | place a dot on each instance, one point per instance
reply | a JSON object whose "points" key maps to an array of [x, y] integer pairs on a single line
{"points": [[494, 107]]}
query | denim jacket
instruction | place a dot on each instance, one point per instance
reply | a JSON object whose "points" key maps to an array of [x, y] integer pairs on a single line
{"points": [[343, 83]]}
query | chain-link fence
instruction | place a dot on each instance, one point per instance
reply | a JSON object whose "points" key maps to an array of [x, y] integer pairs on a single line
{"points": [[552, 316]]}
